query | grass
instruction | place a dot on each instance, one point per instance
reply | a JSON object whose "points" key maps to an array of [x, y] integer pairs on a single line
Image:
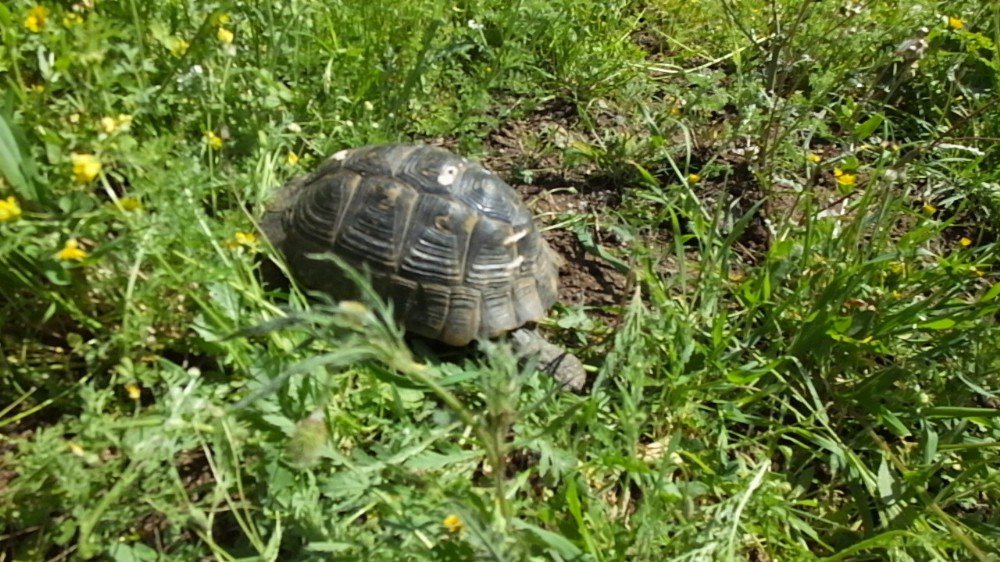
{"points": [[787, 218]]}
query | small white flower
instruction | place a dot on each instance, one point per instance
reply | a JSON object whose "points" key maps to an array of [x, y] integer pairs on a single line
{"points": [[474, 25]]}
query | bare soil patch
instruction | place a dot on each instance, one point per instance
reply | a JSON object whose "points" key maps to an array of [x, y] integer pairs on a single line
{"points": [[527, 153]]}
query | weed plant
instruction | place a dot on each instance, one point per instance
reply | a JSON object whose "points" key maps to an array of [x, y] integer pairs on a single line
{"points": [[796, 204]]}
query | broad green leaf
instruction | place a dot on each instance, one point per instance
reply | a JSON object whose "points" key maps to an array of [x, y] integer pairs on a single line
{"points": [[866, 129], [941, 324], [11, 161], [893, 423], [884, 480], [587, 239], [137, 552], [930, 446], [992, 293], [556, 542]]}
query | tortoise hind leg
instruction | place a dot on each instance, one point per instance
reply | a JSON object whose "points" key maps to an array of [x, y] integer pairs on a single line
{"points": [[565, 367]]}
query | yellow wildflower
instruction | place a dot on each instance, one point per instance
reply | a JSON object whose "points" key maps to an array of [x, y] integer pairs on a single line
{"points": [[675, 110], [694, 178], [133, 390], [86, 167], [214, 141], [453, 523], [112, 125], [9, 209], [929, 209], [244, 239], [814, 158], [72, 19], [225, 36], [846, 180], [963, 242], [130, 204], [955, 23], [178, 46], [108, 124], [71, 251], [74, 118], [75, 448], [35, 20], [38, 88], [293, 158]]}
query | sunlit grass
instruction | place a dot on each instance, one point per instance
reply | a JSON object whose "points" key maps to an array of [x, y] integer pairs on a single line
{"points": [[799, 362]]}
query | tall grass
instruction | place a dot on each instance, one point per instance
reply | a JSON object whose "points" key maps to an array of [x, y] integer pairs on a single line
{"points": [[801, 365]]}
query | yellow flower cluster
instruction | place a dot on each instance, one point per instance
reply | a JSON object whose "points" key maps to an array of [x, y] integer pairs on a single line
{"points": [[10, 210], [71, 251], [134, 391], [694, 178], [129, 204], [293, 158], [242, 240], [225, 36], [72, 19], [955, 23], [845, 179], [35, 20], [214, 141], [453, 523], [111, 125], [177, 46], [86, 167]]}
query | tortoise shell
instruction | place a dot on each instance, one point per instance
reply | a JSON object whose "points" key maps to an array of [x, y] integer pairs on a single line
{"points": [[449, 243]]}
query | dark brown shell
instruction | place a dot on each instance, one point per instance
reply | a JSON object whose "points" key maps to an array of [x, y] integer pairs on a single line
{"points": [[448, 242]]}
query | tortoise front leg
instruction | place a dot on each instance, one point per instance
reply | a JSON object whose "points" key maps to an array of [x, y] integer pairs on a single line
{"points": [[565, 367]]}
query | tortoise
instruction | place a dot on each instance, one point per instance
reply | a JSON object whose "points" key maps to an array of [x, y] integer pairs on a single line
{"points": [[449, 243]]}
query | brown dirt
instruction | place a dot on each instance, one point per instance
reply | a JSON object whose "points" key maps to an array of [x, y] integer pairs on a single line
{"points": [[196, 475], [741, 191], [526, 153]]}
